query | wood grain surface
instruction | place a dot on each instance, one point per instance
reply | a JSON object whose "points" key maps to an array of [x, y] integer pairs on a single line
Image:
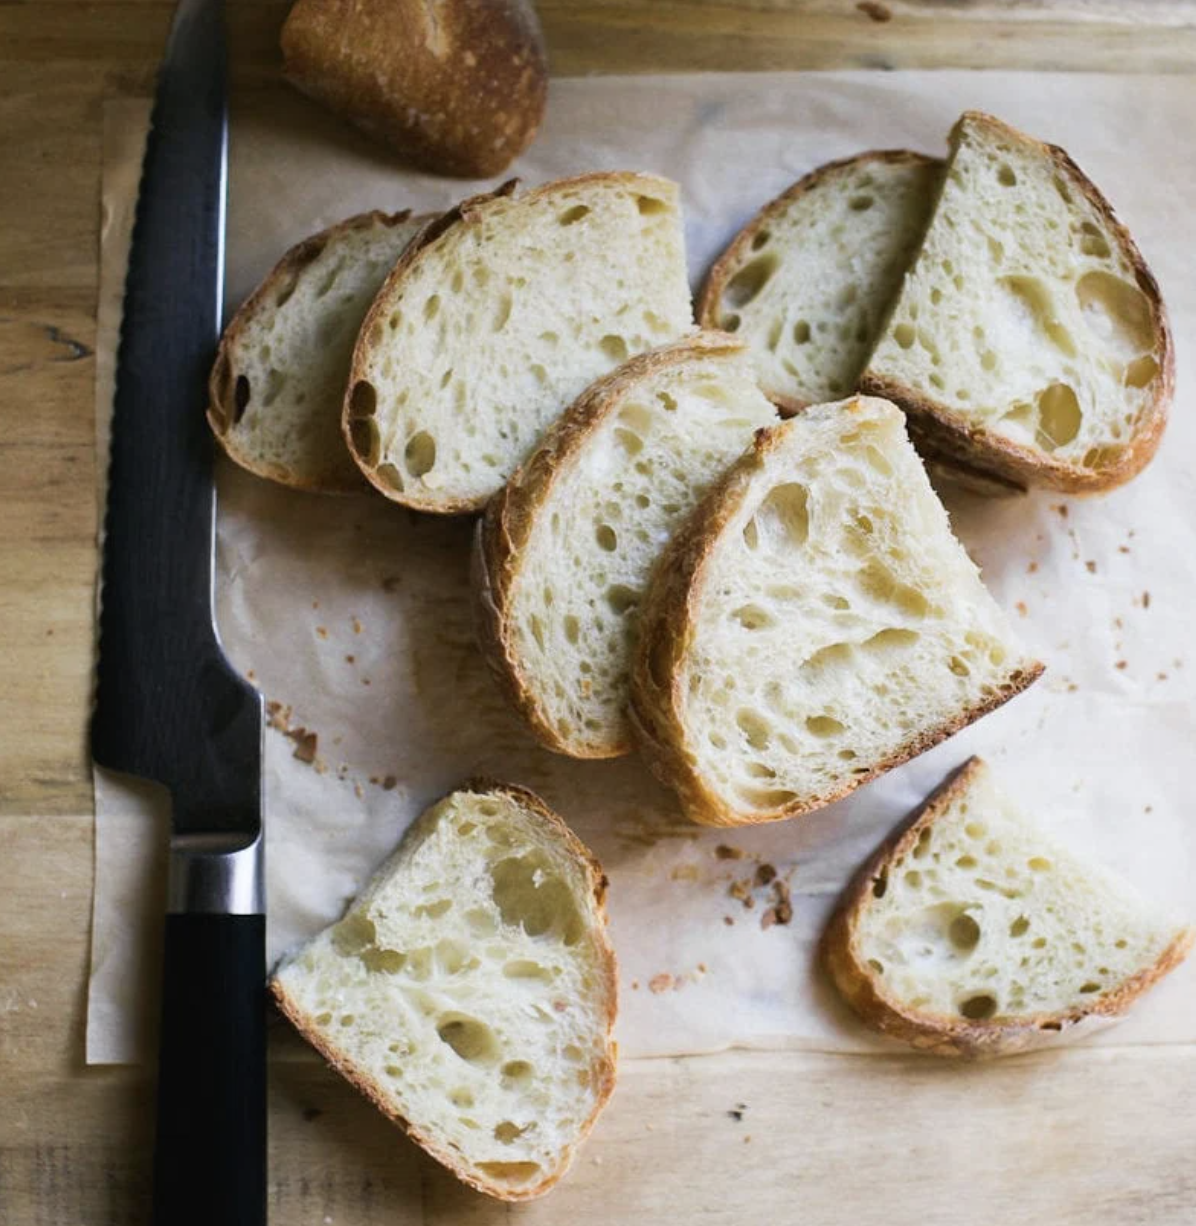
{"points": [[1107, 1137]]}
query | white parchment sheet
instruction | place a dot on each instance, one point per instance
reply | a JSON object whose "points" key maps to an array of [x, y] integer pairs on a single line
{"points": [[353, 613]]}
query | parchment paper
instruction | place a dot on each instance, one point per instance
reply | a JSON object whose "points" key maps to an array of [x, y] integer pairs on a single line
{"points": [[353, 613]]}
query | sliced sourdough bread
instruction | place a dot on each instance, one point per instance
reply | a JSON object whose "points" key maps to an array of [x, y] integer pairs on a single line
{"points": [[809, 280], [973, 933], [814, 624], [469, 992], [1029, 337], [566, 550], [278, 384], [500, 315]]}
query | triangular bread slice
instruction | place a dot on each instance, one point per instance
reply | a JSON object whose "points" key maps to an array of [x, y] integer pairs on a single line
{"points": [[470, 991], [498, 318], [810, 279], [814, 624], [278, 384], [565, 552], [971, 932], [1029, 337]]}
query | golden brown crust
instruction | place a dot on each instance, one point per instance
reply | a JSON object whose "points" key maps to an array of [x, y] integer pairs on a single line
{"points": [[727, 264], [666, 631], [505, 529], [984, 450], [605, 1073], [470, 212], [458, 86], [935, 1033], [223, 412]]}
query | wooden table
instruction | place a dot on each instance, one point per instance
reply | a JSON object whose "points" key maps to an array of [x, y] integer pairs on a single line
{"points": [[1110, 1138]]}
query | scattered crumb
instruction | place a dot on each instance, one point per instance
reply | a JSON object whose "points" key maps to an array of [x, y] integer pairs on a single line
{"points": [[350, 659], [1123, 549], [1118, 623], [1072, 687], [305, 745], [1091, 567], [315, 604], [702, 968], [356, 626], [742, 890], [278, 716], [736, 1112], [322, 631], [321, 767], [784, 907], [1146, 600], [660, 983], [728, 921], [1021, 608], [768, 918], [1061, 509], [358, 791], [251, 675], [876, 11], [374, 780], [389, 783], [1122, 664], [1032, 568], [684, 872], [747, 1139], [765, 873], [366, 681], [1160, 676], [635, 985], [1148, 809], [726, 852]]}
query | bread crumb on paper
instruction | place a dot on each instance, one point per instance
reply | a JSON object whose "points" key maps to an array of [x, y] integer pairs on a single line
{"points": [[305, 745], [1021, 608], [389, 783], [724, 851], [660, 983], [1090, 566]]}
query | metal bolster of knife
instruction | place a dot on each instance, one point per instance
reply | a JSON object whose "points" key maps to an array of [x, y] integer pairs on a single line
{"points": [[216, 875]]}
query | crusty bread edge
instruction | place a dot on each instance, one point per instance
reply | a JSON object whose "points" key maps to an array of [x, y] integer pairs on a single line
{"points": [[985, 450], [666, 628], [598, 882], [467, 212], [505, 529], [938, 1034], [221, 382], [727, 264]]}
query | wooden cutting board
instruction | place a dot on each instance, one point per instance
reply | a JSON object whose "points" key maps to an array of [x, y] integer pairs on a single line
{"points": [[1083, 1136]]}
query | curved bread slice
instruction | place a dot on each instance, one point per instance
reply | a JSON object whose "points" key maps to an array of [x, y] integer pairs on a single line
{"points": [[1029, 337], [469, 992], [814, 624], [278, 384], [498, 318], [972, 933], [566, 550], [809, 280]]}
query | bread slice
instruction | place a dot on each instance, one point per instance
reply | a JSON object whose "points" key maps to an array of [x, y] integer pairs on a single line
{"points": [[278, 383], [1029, 337], [814, 624], [809, 280], [498, 318], [565, 552], [972, 933], [469, 992]]}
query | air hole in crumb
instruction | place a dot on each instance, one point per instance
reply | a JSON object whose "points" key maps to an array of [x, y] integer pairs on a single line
{"points": [[880, 885], [978, 1008], [904, 335], [1038, 863], [964, 933], [1005, 176], [860, 204], [622, 599], [824, 725], [240, 397], [650, 205], [1020, 926], [753, 726], [614, 347], [512, 1172], [529, 894], [1089, 987], [431, 308], [575, 214], [363, 400], [572, 628], [752, 617], [606, 537], [516, 1072], [420, 453], [759, 239], [748, 282], [801, 332]]}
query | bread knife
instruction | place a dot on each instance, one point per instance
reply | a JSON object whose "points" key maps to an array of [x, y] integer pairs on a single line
{"points": [[169, 706]]}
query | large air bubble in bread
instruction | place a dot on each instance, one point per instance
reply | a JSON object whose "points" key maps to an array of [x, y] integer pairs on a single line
{"points": [[814, 624], [469, 991]]}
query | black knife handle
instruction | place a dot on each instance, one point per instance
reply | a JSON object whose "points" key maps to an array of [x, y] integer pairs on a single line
{"points": [[210, 1157]]}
